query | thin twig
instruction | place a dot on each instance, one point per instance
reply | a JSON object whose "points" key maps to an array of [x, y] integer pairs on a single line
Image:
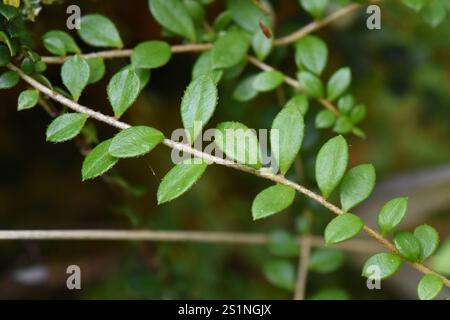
{"points": [[279, 179], [303, 265]]}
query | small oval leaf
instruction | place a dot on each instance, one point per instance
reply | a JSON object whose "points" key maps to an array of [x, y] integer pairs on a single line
{"points": [[98, 31], [338, 83], [408, 246], [268, 80], [66, 127], [343, 227], [230, 49], [357, 185], [391, 214], [135, 141], [381, 265], [280, 273], [123, 89], [429, 287], [272, 200], [311, 53], [98, 161], [75, 75], [429, 240], [151, 54], [27, 99]]}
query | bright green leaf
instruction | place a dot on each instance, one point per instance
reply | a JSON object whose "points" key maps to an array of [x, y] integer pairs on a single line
{"points": [[343, 227], [203, 66], [338, 83], [230, 49], [383, 265], [299, 101], [59, 42], [179, 179], [429, 287], [98, 31], [246, 14], [346, 103], [8, 79], [311, 53], [198, 105], [173, 15], [331, 163], [312, 84], [75, 75], [357, 185], [98, 161], [286, 137], [358, 113], [96, 69], [66, 127], [239, 143], [245, 91], [325, 119], [268, 80], [343, 125], [135, 141], [428, 238], [272, 200], [408, 246], [123, 89], [151, 54], [27, 99], [261, 45], [391, 214]]}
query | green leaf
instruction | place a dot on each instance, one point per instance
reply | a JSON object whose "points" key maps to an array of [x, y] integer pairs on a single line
{"points": [[311, 53], [8, 11], [312, 84], [247, 15], [272, 200], [338, 83], [416, 5], [283, 244], [331, 163], [75, 75], [408, 246], [326, 260], [268, 80], [135, 141], [280, 273], [286, 137], [123, 89], [179, 180], [428, 238], [299, 101], [98, 161], [203, 66], [429, 287], [261, 45], [346, 103], [434, 12], [316, 8], [358, 113], [330, 294], [222, 21], [66, 127], [343, 125], [173, 15], [195, 10], [239, 143], [98, 31], [151, 54], [245, 91], [386, 263], [391, 214], [230, 49], [8, 79], [198, 105], [343, 227], [5, 55], [59, 43], [325, 119], [27, 99], [357, 185], [96, 69]]}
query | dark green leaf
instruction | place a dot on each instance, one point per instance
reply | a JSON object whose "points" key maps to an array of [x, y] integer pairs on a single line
{"points": [[408, 246], [316, 8], [283, 244], [179, 179], [272, 200], [280, 273], [326, 260], [331, 163], [357, 185], [415, 4], [98, 161], [386, 265], [358, 113], [434, 12], [135, 141], [66, 127], [222, 21], [173, 15], [96, 69], [8, 11], [203, 66], [391, 214], [246, 14], [59, 42], [198, 105], [98, 31], [286, 137], [5, 55], [151, 54], [245, 91], [8, 79], [343, 227]]}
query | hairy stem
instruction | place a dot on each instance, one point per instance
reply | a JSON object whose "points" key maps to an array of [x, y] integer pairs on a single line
{"points": [[213, 159]]}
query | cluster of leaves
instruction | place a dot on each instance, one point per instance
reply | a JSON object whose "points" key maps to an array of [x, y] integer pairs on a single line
{"points": [[235, 31]]}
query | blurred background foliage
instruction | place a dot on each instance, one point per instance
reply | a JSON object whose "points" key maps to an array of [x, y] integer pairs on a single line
{"points": [[401, 72]]}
